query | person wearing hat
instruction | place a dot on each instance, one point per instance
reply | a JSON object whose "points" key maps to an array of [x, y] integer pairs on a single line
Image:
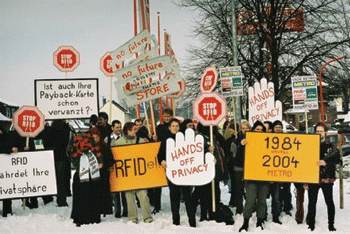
{"points": [[256, 193], [275, 189], [285, 195]]}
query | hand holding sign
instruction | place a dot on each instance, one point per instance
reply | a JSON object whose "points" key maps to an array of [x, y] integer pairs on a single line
{"points": [[262, 105], [186, 162]]}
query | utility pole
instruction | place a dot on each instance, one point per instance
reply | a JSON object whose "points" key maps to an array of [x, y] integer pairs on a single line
{"points": [[235, 60]]}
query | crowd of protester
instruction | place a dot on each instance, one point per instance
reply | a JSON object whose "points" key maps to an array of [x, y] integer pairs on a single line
{"points": [[92, 198]]}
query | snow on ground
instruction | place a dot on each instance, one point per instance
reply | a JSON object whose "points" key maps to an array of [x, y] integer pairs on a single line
{"points": [[52, 219]]}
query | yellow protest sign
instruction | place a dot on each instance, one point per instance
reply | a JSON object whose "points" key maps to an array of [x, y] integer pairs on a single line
{"points": [[282, 157], [136, 167]]}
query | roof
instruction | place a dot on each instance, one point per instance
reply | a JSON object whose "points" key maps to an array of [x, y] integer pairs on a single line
{"points": [[8, 103], [117, 105]]}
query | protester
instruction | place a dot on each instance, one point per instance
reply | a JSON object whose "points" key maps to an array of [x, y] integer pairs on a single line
{"points": [[175, 190], [187, 123], [204, 193], [118, 198], [277, 127], [129, 138], [162, 132], [256, 193], [58, 138], [86, 189], [107, 159], [103, 125], [329, 157], [285, 195], [6, 148], [230, 136], [238, 152], [93, 121], [268, 126]]}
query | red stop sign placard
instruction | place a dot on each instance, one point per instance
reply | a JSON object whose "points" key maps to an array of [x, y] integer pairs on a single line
{"points": [[28, 121], [66, 58], [209, 79], [209, 108]]}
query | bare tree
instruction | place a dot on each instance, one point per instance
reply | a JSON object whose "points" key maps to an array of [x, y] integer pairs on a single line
{"points": [[270, 45]]}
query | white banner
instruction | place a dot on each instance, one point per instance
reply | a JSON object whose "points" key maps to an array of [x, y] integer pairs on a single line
{"points": [[152, 67], [141, 47], [156, 89], [67, 98], [186, 162], [262, 105], [27, 174]]}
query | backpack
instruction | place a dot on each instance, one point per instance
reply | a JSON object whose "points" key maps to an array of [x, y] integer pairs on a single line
{"points": [[224, 214]]}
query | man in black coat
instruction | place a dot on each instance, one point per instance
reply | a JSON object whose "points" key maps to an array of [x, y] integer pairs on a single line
{"points": [[329, 157]]}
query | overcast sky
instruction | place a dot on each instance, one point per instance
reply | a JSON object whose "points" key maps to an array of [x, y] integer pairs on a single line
{"points": [[31, 31]]}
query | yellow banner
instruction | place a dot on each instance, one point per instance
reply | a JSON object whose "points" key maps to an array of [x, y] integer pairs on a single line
{"points": [[136, 167], [282, 157]]}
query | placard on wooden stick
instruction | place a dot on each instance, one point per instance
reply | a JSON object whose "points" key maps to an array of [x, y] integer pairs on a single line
{"points": [[282, 157]]}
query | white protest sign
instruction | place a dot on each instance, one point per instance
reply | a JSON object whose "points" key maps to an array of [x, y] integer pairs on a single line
{"points": [[262, 105], [186, 162], [143, 70], [143, 44], [67, 98], [27, 174], [156, 89]]}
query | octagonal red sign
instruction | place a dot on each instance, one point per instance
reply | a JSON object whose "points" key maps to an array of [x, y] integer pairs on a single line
{"points": [[66, 58], [105, 65], [209, 79], [28, 121], [209, 108]]}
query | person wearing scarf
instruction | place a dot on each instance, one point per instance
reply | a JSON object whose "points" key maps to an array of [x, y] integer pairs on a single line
{"points": [[86, 189], [130, 138]]}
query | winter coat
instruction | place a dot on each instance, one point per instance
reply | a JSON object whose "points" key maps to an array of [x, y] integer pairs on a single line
{"points": [[125, 140], [162, 149], [238, 151], [330, 154]]}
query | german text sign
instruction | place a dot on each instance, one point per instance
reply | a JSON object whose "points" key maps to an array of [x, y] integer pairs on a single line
{"points": [[136, 167], [186, 162], [282, 157], [67, 98], [27, 174]]}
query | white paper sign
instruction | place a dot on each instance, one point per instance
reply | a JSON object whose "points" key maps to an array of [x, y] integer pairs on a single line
{"points": [[262, 105], [139, 45], [186, 162], [27, 174], [67, 98]]}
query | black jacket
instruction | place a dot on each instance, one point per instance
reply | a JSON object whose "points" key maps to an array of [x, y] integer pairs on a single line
{"points": [[239, 154], [162, 149], [330, 154]]}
